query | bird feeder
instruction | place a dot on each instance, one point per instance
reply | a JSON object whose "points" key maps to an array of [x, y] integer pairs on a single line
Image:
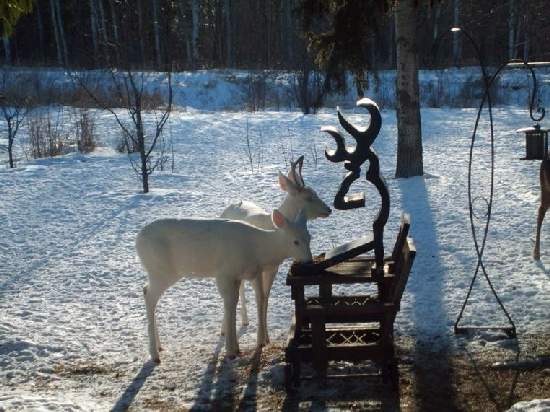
{"points": [[536, 142]]}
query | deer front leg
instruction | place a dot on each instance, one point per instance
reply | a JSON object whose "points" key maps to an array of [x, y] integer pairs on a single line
{"points": [[228, 287], [540, 218], [258, 283], [268, 277]]}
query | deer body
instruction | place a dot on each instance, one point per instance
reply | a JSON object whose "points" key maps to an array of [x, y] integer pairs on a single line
{"points": [[229, 251], [544, 202], [299, 198]]}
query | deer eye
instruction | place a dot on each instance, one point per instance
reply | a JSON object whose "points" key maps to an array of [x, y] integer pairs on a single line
{"points": [[296, 242]]}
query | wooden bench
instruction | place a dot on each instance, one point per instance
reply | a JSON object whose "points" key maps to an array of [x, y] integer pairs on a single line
{"points": [[349, 328]]}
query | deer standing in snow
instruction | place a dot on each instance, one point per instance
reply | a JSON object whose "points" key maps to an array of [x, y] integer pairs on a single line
{"points": [[544, 202], [299, 197], [227, 250]]}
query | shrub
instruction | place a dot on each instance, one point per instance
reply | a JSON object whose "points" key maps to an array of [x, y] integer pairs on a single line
{"points": [[85, 132], [47, 138]]}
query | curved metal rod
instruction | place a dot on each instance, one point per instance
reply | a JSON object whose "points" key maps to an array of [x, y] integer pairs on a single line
{"points": [[353, 159], [340, 154]]}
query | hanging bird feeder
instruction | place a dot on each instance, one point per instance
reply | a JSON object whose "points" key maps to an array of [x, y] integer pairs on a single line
{"points": [[536, 142]]}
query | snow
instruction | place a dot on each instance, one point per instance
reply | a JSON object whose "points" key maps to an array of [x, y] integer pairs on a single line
{"points": [[536, 405], [71, 285], [240, 89]]}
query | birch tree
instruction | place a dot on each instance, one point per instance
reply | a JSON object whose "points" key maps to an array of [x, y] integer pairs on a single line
{"points": [[195, 10], [59, 33], [156, 31], [457, 38], [512, 28]]}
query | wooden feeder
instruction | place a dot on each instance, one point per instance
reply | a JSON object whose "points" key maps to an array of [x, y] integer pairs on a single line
{"points": [[536, 142]]}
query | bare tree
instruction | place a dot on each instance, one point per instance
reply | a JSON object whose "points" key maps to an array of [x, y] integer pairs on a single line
{"points": [[15, 104], [128, 88]]}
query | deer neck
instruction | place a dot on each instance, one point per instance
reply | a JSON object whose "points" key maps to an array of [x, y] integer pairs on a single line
{"points": [[289, 209], [272, 247]]}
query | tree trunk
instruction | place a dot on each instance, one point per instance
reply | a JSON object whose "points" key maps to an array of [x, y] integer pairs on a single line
{"points": [[409, 138], [102, 25], [156, 31], [391, 43], [7, 49], [114, 21], [512, 19], [228, 39], [62, 36], [115, 32], [288, 30], [142, 34], [93, 26], [457, 42], [526, 42], [56, 33], [436, 18], [40, 25], [184, 31], [10, 145], [194, 32]]}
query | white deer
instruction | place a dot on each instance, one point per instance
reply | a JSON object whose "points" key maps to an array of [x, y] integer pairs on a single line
{"points": [[299, 197], [228, 250], [544, 202]]}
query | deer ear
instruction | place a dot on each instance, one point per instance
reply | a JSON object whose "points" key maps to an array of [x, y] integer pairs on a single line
{"points": [[286, 184], [279, 220]]}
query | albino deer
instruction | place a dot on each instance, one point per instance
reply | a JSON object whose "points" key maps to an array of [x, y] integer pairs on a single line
{"points": [[228, 250], [299, 197], [544, 202]]}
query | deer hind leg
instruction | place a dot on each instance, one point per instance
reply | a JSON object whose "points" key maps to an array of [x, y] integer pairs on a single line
{"points": [[540, 218], [244, 313], [544, 202], [152, 293], [228, 287]]}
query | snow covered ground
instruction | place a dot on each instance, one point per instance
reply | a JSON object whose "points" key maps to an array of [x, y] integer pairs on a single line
{"points": [[70, 281]]}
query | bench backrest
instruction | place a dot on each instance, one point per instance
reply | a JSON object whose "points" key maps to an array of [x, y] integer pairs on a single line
{"points": [[401, 236], [402, 270]]}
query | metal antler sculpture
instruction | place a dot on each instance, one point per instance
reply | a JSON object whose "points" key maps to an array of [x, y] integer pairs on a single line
{"points": [[353, 158]]}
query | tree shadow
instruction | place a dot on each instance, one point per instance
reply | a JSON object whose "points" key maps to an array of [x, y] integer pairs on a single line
{"points": [[542, 266], [429, 312], [129, 394]]}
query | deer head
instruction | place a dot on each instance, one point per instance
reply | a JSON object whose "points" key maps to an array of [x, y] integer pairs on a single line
{"points": [[300, 196]]}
